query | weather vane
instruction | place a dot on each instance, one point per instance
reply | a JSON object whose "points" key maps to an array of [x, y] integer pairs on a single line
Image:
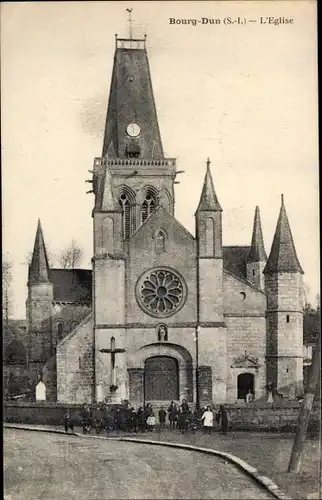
{"points": [[130, 22]]}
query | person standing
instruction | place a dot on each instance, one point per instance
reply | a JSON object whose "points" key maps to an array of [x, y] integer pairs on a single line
{"points": [[184, 406], [134, 421], [181, 418], [187, 420], [151, 421], [68, 422], [86, 418], [249, 397], [172, 412], [141, 419], [162, 417], [207, 419], [223, 419]]}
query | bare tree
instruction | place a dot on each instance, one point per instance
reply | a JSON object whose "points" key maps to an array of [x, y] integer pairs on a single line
{"points": [[70, 257], [318, 302], [6, 290]]}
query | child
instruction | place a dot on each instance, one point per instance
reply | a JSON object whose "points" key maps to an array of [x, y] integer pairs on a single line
{"points": [[162, 416], [207, 419], [150, 422], [68, 423]]}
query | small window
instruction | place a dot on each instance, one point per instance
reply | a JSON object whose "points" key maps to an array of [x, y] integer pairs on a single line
{"points": [[60, 330], [160, 242], [253, 272], [243, 295], [287, 318]]}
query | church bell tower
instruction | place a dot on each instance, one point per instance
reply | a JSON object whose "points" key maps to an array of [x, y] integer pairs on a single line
{"points": [[130, 180]]}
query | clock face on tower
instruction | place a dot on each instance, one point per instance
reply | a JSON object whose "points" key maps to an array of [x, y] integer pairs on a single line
{"points": [[133, 129]]}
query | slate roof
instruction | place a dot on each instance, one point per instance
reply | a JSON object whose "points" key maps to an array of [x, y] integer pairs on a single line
{"points": [[38, 271], [235, 258], [72, 285], [131, 101], [257, 250], [208, 199], [75, 285], [283, 257]]}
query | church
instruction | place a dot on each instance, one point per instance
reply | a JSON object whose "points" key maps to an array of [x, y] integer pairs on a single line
{"points": [[163, 314]]}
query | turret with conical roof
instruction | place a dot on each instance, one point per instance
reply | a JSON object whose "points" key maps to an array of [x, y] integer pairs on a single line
{"points": [[39, 267], [209, 220], [256, 259], [283, 257], [284, 314], [39, 304], [208, 199]]}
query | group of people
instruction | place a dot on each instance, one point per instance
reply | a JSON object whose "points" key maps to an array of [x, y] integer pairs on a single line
{"points": [[183, 418], [124, 418]]}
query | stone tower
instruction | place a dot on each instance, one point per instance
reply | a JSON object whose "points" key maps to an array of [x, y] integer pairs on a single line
{"points": [[257, 257], [211, 331], [130, 180], [284, 315], [39, 304]]}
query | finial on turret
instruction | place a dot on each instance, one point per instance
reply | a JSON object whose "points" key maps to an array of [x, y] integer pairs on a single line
{"points": [[208, 199], [130, 22], [282, 199]]}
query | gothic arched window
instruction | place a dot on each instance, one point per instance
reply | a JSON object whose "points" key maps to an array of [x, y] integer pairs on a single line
{"points": [[149, 204], [127, 204]]}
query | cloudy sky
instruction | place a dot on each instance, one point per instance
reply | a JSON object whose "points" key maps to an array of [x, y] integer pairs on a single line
{"points": [[243, 94]]}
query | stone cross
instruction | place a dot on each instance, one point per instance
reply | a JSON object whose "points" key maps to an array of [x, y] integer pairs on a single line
{"points": [[113, 351]]}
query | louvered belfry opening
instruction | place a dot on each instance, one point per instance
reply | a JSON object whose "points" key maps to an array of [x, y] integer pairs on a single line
{"points": [[127, 203], [149, 204]]}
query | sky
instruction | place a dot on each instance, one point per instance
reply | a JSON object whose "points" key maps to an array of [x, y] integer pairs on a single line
{"points": [[243, 94]]}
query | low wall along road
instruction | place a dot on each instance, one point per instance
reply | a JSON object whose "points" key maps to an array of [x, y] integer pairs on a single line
{"points": [[268, 417]]}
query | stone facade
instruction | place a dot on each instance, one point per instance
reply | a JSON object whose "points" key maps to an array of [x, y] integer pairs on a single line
{"points": [[75, 367], [162, 306]]}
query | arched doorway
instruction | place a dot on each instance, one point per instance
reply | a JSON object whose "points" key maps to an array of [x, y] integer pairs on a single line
{"points": [[161, 379], [245, 383]]}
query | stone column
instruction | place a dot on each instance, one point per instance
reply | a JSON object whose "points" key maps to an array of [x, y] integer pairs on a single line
{"points": [[205, 385], [136, 385]]}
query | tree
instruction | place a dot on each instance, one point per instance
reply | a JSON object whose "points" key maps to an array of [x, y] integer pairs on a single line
{"points": [[306, 408], [6, 290], [70, 257]]}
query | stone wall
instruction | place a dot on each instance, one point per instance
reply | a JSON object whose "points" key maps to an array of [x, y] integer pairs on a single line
{"points": [[75, 365], [244, 316], [252, 418]]}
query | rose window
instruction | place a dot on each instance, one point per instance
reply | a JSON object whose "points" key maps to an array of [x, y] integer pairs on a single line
{"points": [[161, 292]]}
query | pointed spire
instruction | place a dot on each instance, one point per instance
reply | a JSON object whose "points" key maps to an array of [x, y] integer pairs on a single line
{"points": [[108, 200], [208, 199], [283, 257], [39, 267], [257, 250], [131, 124]]}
